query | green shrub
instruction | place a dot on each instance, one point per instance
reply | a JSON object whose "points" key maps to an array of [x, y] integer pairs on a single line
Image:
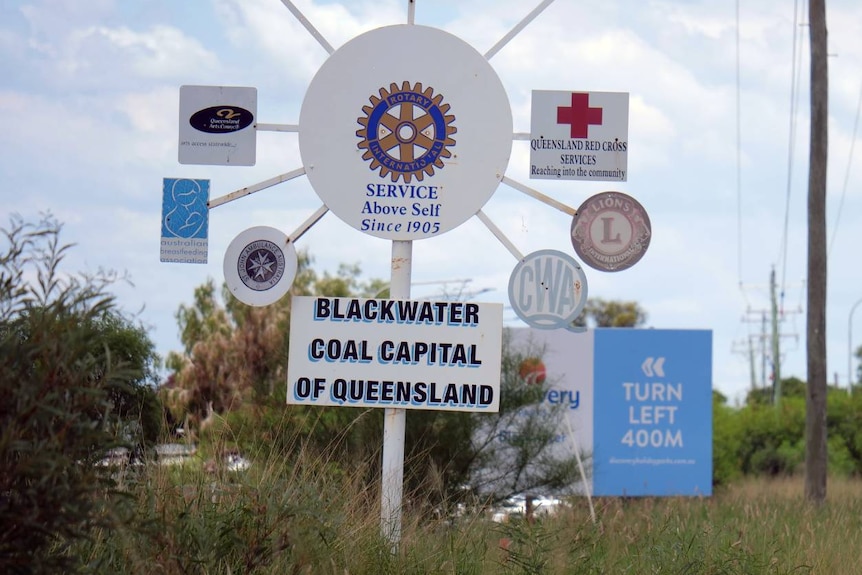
{"points": [[67, 396], [726, 442], [772, 437]]}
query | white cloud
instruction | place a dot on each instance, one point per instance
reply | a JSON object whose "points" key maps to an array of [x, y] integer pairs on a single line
{"points": [[699, 25], [70, 51], [285, 44], [160, 52], [150, 112]]}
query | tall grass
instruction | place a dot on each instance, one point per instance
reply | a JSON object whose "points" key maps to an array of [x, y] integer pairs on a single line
{"points": [[294, 511]]}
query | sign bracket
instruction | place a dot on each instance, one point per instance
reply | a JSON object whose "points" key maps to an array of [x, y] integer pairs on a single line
{"points": [[517, 29], [248, 190], [540, 196], [498, 233], [306, 225], [276, 127], [308, 26]]}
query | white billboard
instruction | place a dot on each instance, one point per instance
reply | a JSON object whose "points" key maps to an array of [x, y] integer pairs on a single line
{"points": [[353, 352]]}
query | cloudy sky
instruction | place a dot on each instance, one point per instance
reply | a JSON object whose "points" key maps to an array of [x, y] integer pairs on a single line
{"points": [[90, 102]]}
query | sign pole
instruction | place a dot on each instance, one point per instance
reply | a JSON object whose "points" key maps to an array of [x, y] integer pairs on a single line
{"points": [[394, 423]]}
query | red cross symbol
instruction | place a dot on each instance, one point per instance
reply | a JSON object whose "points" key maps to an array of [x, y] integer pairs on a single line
{"points": [[579, 116]]}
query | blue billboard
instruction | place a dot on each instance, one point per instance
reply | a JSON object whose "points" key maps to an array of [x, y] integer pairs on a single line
{"points": [[652, 411]]}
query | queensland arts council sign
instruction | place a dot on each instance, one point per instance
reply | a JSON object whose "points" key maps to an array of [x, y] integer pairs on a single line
{"points": [[395, 353]]}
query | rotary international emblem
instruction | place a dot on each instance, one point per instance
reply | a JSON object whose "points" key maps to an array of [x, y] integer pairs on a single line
{"points": [[406, 132]]}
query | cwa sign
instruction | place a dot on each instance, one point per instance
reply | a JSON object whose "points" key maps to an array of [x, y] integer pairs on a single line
{"points": [[548, 289]]}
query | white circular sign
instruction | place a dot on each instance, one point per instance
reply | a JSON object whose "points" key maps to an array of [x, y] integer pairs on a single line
{"points": [[405, 132], [260, 265], [611, 231], [548, 289]]}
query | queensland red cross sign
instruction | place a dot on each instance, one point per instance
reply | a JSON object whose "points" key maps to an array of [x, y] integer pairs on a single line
{"points": [[579, 136]]}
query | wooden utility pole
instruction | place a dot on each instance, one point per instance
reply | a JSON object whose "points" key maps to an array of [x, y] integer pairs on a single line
{"points": [[815, 412]]}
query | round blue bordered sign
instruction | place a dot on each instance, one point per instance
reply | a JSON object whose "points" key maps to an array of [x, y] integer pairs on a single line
{"points": [[260, 265], [548, 289]]}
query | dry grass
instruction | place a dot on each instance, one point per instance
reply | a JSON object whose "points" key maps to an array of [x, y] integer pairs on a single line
{"points": [[754, 526], [313, 517], [774, 513]]}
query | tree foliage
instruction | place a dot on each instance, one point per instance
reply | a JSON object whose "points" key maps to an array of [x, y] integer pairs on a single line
{"points": [[761, 438], [74, 377], [235, 354], [231, 354], [790, 387], [513, 451], [611, 313], [234, 365]]}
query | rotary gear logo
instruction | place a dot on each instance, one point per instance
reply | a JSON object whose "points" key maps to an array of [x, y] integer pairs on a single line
{"points": [[406, 132]]}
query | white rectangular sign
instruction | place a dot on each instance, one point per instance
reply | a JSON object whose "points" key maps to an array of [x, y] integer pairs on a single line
{"points": [[579, 136], [438, 355], [217, 125]]}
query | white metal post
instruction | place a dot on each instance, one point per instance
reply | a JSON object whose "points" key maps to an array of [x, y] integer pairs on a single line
{"points": [[577, 449], [394, 423]]}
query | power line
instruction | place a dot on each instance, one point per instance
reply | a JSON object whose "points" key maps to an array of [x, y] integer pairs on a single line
{"points": [[738, 158], [846, 175], [795, 66], [767, 344]]}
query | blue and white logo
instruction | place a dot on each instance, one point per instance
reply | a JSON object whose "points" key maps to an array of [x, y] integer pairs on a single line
{"points": [[185, 220], [184, 208]]}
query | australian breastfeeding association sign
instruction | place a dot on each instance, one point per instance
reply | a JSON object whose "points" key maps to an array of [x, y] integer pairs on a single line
{"points": [[411, 354], [185, 220]]}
